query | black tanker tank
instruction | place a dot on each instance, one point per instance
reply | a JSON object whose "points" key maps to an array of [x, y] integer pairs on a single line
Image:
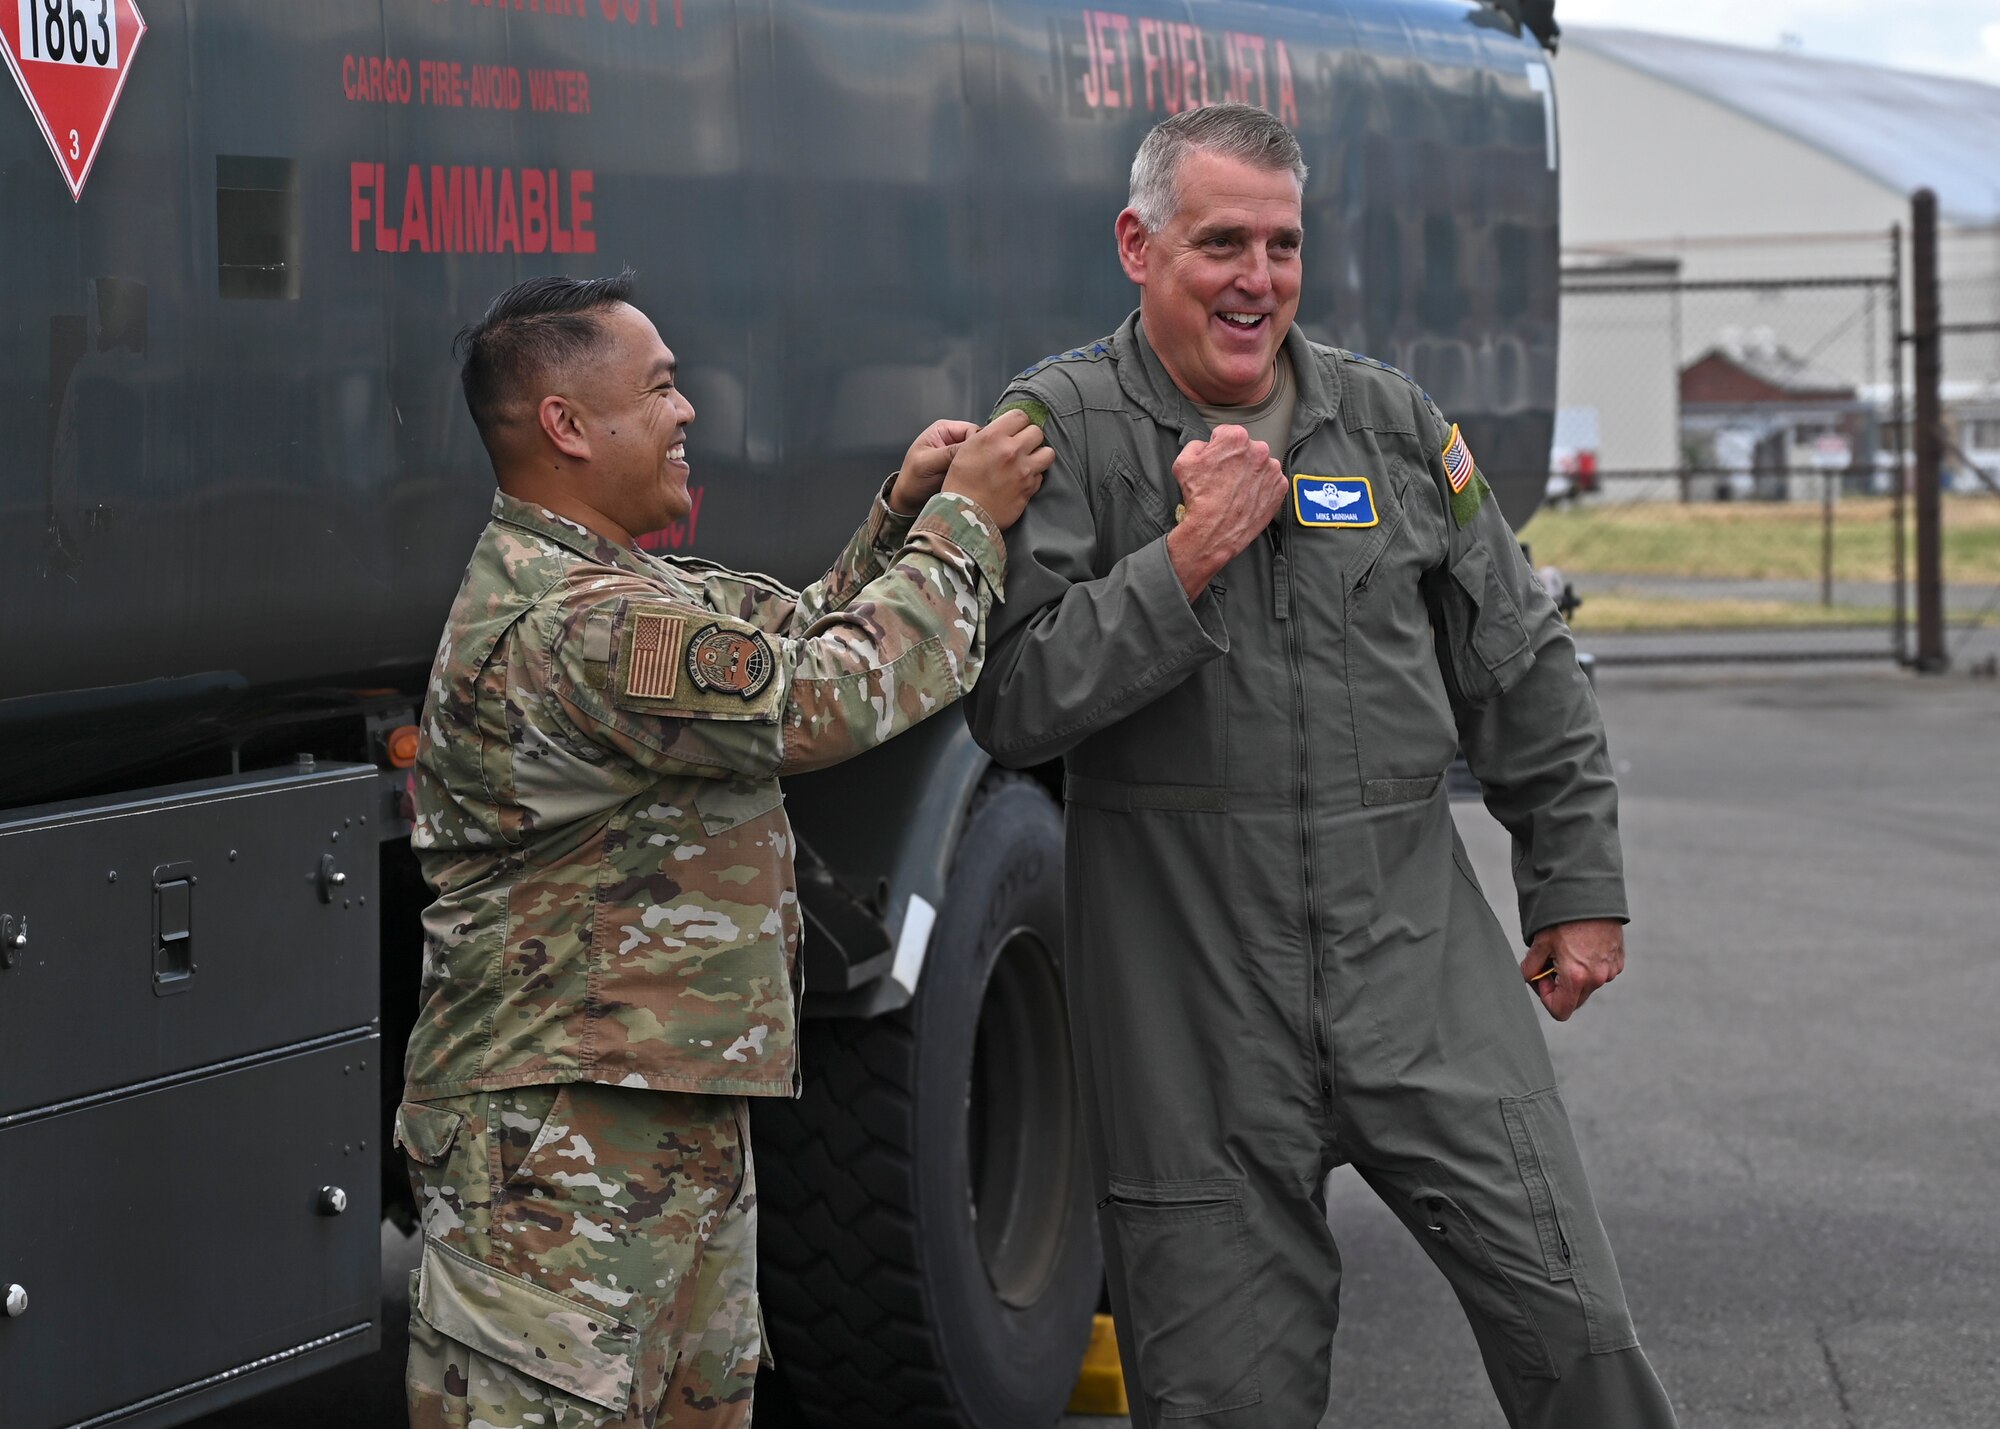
{"points": [[240, 486]]}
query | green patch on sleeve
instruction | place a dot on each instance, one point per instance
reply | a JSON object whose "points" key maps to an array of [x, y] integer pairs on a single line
{"points": [[1465, 504], [1037, 413]]}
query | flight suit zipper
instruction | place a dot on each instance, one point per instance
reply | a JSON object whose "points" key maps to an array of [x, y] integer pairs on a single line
{"points": [[1281, 595]]}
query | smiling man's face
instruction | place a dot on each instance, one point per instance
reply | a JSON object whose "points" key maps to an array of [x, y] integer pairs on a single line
{"points": [[638, 421], [1219, 283]]}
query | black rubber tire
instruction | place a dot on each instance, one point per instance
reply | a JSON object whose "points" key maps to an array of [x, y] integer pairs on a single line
{"points": [[887, 1307]]}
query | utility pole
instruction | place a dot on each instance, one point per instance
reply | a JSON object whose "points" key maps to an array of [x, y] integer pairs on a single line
{"points": [[1927, 345]]}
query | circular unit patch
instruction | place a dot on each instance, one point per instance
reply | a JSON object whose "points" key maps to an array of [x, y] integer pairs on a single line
{"points": [[724, 661]]}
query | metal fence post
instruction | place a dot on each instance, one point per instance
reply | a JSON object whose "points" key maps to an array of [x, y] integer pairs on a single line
{"points": [[1901, 415], [1928, 346]]}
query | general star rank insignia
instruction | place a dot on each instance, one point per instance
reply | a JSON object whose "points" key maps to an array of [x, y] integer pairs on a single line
{"points": [[1339, 501], [724, 661]]}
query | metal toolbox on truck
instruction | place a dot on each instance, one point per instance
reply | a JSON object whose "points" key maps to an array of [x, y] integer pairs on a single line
{"points": [[189, 1157]]}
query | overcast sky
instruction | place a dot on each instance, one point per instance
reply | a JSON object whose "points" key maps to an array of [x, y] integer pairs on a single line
{"points": [[1960, 37]]}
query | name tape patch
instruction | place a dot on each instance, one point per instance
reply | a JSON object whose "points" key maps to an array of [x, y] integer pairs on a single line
{"points": [[1347, 501]]}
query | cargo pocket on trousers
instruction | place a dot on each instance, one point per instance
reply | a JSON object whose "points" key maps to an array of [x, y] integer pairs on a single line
{"points": [[1194, 1311], [1574, 1245], [550, 1338], [1483, 1284]]}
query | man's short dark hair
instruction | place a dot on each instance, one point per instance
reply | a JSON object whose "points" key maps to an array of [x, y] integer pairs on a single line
{"points": [[529, 332]]}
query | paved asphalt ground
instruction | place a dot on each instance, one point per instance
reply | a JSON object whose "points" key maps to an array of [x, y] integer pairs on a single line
{"points": [[1790, 1104]]}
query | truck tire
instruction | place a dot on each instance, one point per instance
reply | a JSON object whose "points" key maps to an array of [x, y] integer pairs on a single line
{"points": [[930, 1256]]}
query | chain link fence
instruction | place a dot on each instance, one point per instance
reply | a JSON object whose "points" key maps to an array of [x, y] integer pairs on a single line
{"points": [[1731, 461], [1969, 303]]}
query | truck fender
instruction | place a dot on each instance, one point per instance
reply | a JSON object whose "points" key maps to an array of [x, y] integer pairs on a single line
{"points": [[885, 827]]}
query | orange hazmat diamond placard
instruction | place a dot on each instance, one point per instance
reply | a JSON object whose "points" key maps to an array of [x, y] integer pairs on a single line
{"points": [[71, 59]]}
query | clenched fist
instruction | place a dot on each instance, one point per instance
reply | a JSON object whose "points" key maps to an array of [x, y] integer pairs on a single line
{"points": [[1232, 487], [1567, 962], [1000, 466]]}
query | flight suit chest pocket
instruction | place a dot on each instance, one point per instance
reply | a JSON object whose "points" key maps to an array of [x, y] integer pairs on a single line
{"points": [[1135, 509], [1194, 1309], [1404, 733]]}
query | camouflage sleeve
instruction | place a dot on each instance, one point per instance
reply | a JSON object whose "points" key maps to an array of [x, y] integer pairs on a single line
{"points": [[685, 689], [1528, 721], [778, 610]]}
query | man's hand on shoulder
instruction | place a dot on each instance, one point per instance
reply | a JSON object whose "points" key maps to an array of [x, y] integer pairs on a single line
{"points": [[1001, 466], [1584, 956], [925, 464], [1231, 487]]}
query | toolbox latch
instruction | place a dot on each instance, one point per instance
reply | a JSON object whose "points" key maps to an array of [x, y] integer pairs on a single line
{"points": [[173, 928]]}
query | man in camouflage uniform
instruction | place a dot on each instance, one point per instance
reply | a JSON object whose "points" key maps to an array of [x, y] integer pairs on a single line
{"points": [[611, 965], [1263, 599]]}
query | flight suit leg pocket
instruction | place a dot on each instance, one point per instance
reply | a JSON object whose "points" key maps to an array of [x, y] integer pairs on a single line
{"points": [[1574, 1245], [1186, 1250]]}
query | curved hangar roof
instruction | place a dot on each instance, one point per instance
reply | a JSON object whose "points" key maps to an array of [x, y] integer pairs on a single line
{"points": [[1904, 129]]}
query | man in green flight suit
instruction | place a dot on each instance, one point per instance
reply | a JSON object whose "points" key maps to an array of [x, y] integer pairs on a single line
{"points": [[611, 965], [1262, 599]]}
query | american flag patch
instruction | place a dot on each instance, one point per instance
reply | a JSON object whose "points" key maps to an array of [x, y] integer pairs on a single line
{"points": [[656, 650], [1458, 463]]}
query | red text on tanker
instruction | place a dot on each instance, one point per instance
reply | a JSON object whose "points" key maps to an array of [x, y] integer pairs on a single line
{"points": [[1171, 65], [617, 12], [447, 84], [680, 533], [458, 209]]}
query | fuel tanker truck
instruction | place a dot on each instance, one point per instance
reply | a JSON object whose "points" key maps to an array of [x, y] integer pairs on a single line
{"points": [[240, 488]]}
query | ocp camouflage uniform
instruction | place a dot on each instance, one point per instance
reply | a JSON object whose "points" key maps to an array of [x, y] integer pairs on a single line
{"points": [[631, 1212], [611, 964]]}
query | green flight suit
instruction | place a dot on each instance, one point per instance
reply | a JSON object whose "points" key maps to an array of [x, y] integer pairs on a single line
{"points": [[1278, 958]]}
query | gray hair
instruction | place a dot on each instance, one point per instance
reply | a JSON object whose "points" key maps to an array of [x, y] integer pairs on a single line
{"points": [[1233, 131]]}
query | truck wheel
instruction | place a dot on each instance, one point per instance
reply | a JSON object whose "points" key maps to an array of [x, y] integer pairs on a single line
{"points": [[930, 1256]]}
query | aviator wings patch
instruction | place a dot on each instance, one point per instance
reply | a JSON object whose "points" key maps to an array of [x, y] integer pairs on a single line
{"points": [[1342, 501]]}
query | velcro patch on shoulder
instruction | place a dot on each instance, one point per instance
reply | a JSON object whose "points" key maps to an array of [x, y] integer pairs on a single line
{"points": [[680, 660], [1038, 413], [1468, 487], [1465, 504]]}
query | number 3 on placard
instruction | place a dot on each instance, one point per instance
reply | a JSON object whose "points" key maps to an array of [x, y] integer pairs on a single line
{"points": [[75, 145]]}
